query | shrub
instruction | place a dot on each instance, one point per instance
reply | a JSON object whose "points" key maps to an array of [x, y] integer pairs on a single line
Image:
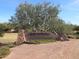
{"points": [[77, 36], [1, 32], [77, 33], [71, 36]]}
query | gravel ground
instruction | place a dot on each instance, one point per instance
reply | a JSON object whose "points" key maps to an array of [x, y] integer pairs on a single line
{"points": [[56, 50]]}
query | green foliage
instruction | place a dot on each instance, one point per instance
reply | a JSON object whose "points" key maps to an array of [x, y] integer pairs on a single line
{"points": [[77, 36], [77, 33], [76, 28], [39, 17], [5, 27], [4, 51], [1, 29], [1, 32], [68, 29]]}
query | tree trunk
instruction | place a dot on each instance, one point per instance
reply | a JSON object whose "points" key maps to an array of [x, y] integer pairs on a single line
{"points": [[22, 36]]}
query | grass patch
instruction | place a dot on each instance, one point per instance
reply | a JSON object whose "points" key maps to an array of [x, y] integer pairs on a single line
{"points": [[4, 51], [39, 41], [10, 45]]}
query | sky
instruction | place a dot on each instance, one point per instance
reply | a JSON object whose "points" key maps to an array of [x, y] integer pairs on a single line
{"points": [[69, 9]]}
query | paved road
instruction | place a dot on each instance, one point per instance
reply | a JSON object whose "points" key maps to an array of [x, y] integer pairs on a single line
{"points": [[57, 50]]}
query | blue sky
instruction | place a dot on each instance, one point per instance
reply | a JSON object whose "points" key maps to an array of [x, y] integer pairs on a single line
{"points": [[69, 9]]}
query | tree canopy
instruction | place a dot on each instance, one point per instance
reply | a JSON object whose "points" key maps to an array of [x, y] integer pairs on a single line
{"points": [[39, 17]]}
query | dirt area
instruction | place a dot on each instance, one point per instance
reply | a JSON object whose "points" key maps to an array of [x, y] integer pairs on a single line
{"points": [[56, 50], [8, 37]]}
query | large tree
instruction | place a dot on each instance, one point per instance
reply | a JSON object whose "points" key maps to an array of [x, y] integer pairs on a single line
{"points": [[37, 17]]}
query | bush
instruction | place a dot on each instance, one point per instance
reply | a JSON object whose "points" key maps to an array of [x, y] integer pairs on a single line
{"points": [[1, 32], [4, 51], [71, 36], [77, 36], [77, 33]]}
